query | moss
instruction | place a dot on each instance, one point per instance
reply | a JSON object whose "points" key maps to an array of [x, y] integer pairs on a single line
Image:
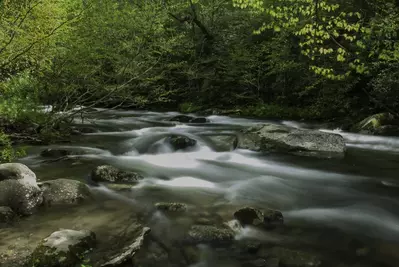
{"points": [[45, 256], [188, 107]]}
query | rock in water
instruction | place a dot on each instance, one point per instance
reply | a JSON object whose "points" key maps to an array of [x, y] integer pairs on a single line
{"points": [[251, 216], [224, 142], [208, 234], [128, 253], [18, 188], [279, 138], [171, 207], [188, 119], [63, 248], [180, 142], [64, 191], [290, 257], [7, 215], [106, 173], [55, 153], [379, 124]]}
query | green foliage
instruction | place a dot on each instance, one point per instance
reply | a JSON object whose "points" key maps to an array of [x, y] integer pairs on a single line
{"points": [[280, 58], [7, 152]]}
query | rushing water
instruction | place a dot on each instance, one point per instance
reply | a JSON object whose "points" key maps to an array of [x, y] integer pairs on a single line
{"points": [[325, 202]]}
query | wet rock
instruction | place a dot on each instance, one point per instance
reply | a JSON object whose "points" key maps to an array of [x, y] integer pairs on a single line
{"points": [[291, 258], [279, 138], [180, 142], [224, 142], [210, 235], [267, 218], [18, 188], [7, 215], [64, 192], [199, 120], [128, 253], [380, 124], [107, 173], [171, 207], [63, 248], [55, 153], [188, 119]]}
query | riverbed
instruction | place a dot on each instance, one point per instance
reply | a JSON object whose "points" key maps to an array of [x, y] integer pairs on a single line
{"points": [[344, 209]]}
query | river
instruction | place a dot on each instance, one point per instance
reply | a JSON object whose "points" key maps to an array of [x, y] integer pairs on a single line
{"points": [[346, 209]]}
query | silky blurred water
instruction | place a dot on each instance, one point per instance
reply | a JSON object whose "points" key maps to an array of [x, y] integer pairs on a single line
{"points": [[356, 196]]}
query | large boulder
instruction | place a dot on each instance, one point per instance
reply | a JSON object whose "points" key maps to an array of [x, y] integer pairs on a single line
{"points": [[280, 138], [18, 188], [180, 142], [379, 124], [64, 192], [107, 173], [63, 248], [267, 218]]}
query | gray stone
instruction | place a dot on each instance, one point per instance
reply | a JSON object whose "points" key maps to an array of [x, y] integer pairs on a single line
{"points": [[189, 119], [64, 192], [180, 142], [279, 138], [106, 173], [63, 248], [128, 253], [171, 207], [266, 218], [7, 215], [18, 188], [224, 142], [291, 258], [208, 234]]}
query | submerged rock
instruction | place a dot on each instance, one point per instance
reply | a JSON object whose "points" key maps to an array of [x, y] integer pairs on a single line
{"points": [[56, 153], [171, 207], [18, 188], [208, 234], [64, 192], [107, 173], [291, 258], [189, 119], [279, 138], [379, 124], [64, 248], [7, 215], [266, 218], [128, 253], [180, 142], [224, 142]]}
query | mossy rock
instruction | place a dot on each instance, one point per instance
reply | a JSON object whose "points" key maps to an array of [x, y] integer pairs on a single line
{"points": [[207, 234], [64, 248], [107, 173], [7, 215], [171, 207], [267, 218], [64, 192], [380, 123]]}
